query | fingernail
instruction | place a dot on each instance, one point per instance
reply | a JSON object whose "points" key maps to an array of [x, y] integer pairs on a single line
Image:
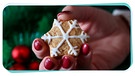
{"points": [[37, 45], [85, 49], [66, 63], [63, 12], [48, 64]]}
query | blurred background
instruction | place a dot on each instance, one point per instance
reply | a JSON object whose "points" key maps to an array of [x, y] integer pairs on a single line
{"points": [[22, 24]]}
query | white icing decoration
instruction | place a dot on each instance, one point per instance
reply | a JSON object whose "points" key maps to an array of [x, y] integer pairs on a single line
{"points": [[65, 37]]}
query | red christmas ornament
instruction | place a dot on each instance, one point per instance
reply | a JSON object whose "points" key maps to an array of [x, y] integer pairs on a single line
{"points": [[17, 66], [20, 53], [34, 65]]}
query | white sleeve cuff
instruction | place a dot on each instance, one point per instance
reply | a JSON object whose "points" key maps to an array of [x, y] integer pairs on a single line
{"points": [[124, 13]]}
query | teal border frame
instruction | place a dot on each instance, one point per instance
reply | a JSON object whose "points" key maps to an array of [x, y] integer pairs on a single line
{"points": [[97, 4]]}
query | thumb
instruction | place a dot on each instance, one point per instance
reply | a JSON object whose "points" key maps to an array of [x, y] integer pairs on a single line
{"points": [[95, 21], [75, 12], [84, 15]]}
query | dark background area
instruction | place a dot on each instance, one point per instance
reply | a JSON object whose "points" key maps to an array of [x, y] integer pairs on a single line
{"points": [[22, 24]]}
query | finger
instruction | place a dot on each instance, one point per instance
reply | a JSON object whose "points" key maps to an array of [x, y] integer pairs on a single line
{"points": [[85, 57], [49, 63], [68, 63], [40, 48]]}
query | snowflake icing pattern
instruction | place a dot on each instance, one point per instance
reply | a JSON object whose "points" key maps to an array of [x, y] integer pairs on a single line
{"points": [[65, 37]]}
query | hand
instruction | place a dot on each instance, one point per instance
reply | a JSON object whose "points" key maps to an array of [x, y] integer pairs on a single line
{"points": [[67, 62], [109, 41], [110, 36], [41, 50]]}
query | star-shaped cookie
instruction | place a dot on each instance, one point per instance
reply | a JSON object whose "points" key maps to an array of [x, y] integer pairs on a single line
{"points": [[65, 38]]}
